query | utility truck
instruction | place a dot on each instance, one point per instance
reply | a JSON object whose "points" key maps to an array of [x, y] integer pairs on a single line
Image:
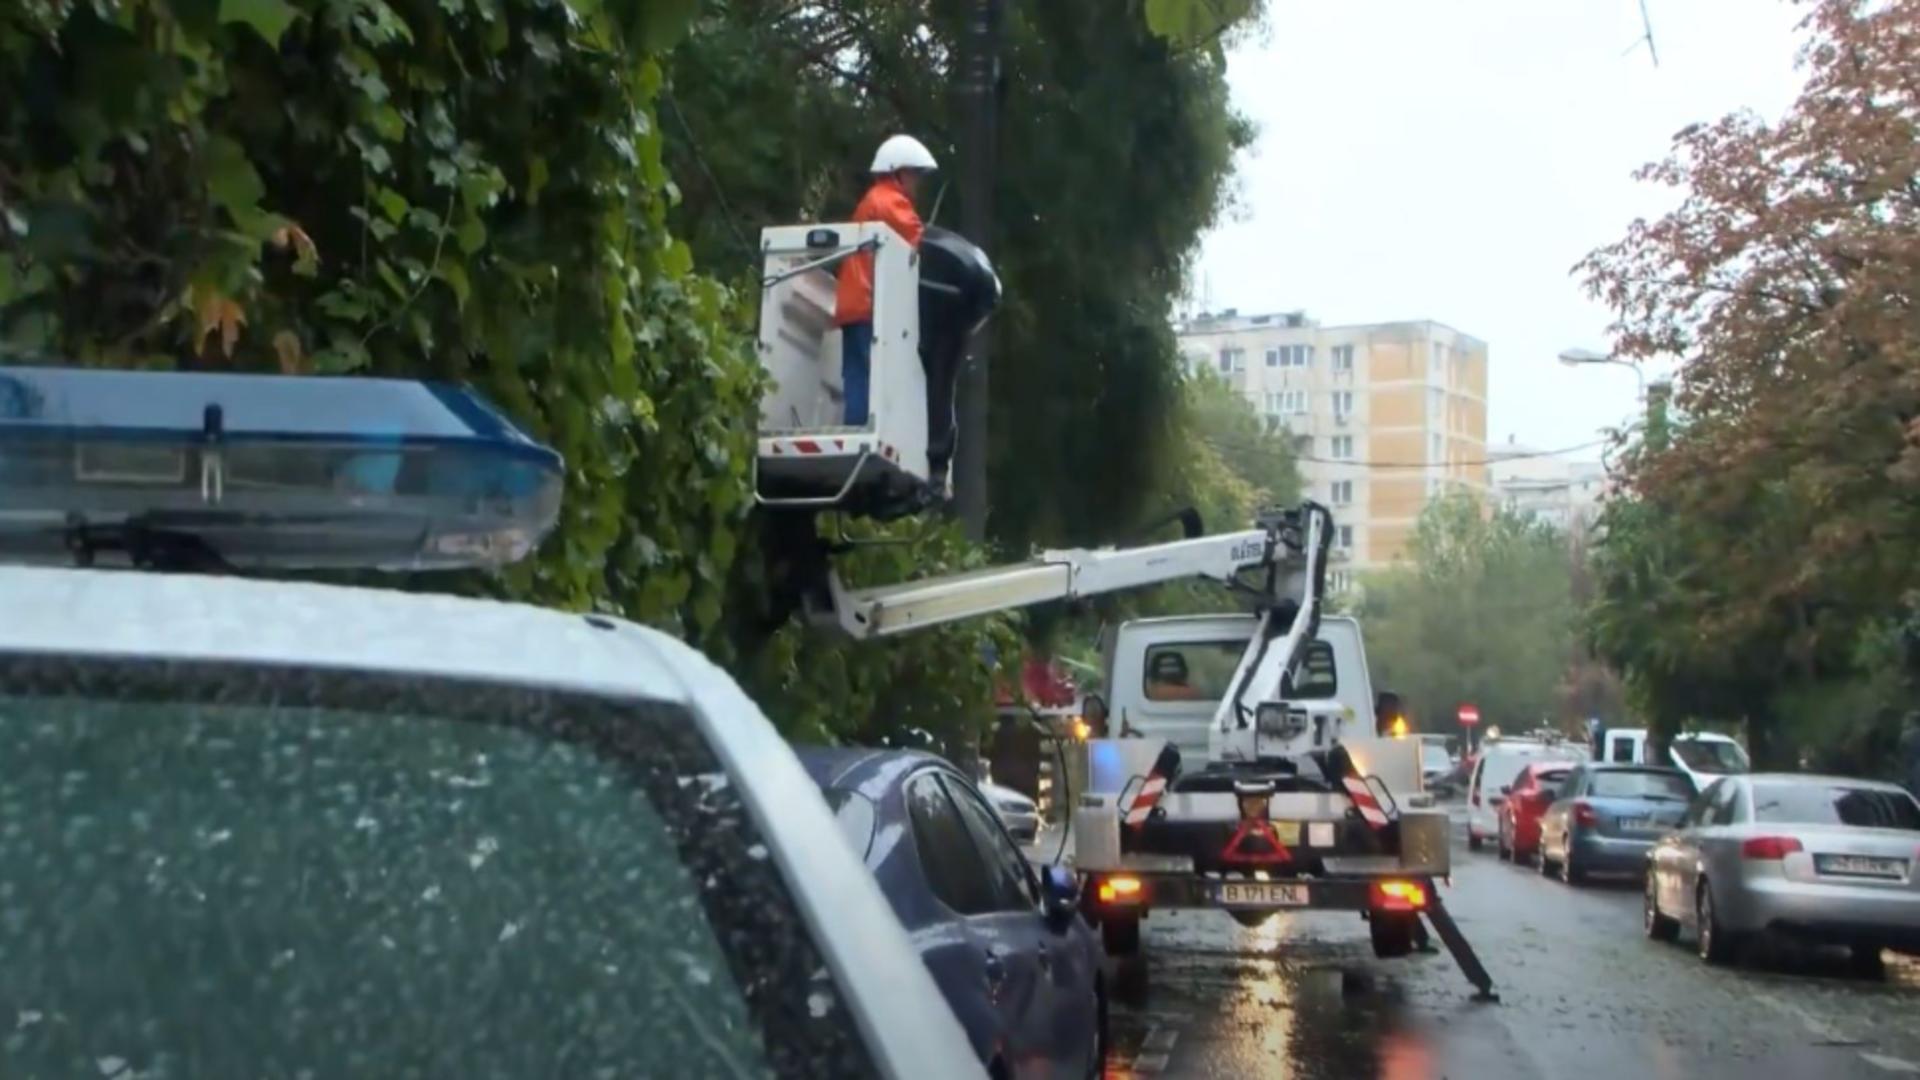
{"points": [[1246, 775]]}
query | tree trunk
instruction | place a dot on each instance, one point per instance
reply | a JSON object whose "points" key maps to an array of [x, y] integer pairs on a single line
{"points": [[980, 65]]}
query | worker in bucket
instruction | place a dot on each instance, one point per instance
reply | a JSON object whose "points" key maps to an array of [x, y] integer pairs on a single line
{"points": [[897, 168]]}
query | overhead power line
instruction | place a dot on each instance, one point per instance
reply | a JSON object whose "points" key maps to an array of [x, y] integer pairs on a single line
{"points": [[1225, 444]]}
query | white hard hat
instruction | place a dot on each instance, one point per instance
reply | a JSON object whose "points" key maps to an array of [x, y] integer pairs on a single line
{"points": [[902, 152]]}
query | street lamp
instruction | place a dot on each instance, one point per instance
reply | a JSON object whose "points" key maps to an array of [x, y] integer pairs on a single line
{"points": [[1575, 357]]}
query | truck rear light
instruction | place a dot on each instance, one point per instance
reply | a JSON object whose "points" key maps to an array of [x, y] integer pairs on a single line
{"points": [[1122, 889], [1583, 815], [1768, 847], [1399, 896]]}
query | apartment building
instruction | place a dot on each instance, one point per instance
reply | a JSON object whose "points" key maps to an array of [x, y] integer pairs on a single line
{"points": [[1565, 494], [1385, 415]]}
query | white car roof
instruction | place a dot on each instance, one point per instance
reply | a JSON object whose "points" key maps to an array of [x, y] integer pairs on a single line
{"points": [[184, 616]]}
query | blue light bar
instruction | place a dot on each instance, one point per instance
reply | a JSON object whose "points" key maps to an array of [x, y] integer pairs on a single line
{"points": [[265, 471]]}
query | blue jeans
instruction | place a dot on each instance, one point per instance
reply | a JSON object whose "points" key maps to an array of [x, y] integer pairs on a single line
{"points": [[856, 370]]}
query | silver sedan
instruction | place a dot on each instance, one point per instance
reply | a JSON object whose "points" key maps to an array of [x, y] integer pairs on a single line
{"points": [[1829, 859]]}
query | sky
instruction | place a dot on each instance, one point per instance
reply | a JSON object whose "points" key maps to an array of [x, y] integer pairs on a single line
{"points": [[1452, 159]]}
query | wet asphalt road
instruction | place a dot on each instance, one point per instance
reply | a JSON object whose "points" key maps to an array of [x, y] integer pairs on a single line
{"points": [[1583, 994]]}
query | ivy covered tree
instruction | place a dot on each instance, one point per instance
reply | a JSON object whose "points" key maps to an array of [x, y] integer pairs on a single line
{"points": [[464, 189]]}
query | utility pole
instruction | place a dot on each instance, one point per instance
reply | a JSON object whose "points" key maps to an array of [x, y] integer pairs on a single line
{"points": [[980, 64]]}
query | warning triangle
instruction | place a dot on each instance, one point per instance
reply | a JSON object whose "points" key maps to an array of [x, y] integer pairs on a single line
{"points": [[1255, 842]]}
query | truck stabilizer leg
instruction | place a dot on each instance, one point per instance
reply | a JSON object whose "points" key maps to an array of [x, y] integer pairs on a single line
{"points": [[1463, 954]]}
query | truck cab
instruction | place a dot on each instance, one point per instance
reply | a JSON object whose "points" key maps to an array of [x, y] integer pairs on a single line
{"points": [[1167, 676]]}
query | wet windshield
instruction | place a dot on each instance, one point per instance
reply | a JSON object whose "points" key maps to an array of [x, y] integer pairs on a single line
{"points": [[1835, 804], [334, 875], [1629, 784], [1711, 756]]}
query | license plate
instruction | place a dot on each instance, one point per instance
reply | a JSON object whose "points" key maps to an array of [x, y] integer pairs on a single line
{"points": [[1861, 866], [1262, 894], [1639, 824]]}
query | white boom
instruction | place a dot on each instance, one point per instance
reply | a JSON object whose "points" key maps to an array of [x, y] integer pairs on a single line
{"points": [[1287, 552], [1065, 574]]}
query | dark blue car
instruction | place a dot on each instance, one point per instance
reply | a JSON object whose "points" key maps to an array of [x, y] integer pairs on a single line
{"points": [[1006, 944]]}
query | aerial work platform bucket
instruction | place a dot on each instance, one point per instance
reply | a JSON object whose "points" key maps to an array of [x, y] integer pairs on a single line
{"points": [[809, 458]]}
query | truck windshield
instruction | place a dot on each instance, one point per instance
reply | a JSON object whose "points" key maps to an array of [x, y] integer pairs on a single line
{"points": [[1203, 671], [1711, 756], [216, 870]]}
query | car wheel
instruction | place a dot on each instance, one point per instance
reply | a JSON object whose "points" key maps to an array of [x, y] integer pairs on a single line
{"points": [[1547, 866], [1865, 962], [1120, 934], [1473, 840], [1570, 872], [1503, 844], [1392, 934], [1715, 948], [1658, 926]]}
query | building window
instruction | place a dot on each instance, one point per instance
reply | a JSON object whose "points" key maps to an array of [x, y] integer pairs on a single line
{"points": [[1343, 446], [1343, 358], [1346, 537], [1438, 450], [1342, 402], [1294, 402], [1341, 492], [1303, 445], [1339, 581], [1273, 357], [1233, 360]]}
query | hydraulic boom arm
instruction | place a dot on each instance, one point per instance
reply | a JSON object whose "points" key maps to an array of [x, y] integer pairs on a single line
{"points": [[1274, 560]]}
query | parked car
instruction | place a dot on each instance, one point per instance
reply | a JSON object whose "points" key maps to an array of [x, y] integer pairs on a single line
{"points": [[1607, 817], [1824, 858], [1703, 755], [1527, 800], [1017, 812], [1436, 764], [1008, 946], [252, 827], [1498, 766]]}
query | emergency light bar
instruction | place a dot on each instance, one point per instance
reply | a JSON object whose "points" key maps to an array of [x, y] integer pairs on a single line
{"points": [[216, 471]]}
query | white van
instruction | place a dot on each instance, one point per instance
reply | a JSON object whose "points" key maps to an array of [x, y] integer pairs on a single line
{"points": [[1500, 763], [1704, 756]]}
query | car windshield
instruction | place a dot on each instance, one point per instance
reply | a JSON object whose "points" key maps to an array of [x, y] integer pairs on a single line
{"points": [[212, 870], [1835, 804], [1641, 784], [1711, 756]]}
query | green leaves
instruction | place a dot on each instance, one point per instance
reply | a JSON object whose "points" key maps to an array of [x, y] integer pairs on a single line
{"points": [[268, 18], [1193, 23]]}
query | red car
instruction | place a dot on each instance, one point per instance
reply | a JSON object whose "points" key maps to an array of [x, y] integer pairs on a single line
{"points": [[1525, 802]]}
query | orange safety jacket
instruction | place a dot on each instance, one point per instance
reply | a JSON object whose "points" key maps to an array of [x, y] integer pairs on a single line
{"points": [[885, 201]]}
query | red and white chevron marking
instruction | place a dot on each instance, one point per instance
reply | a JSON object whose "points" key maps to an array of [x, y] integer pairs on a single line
{"points": [[1144, 802], [1364, 801]]}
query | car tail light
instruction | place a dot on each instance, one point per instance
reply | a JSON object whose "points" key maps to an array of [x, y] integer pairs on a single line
{"points": [[1768, 847], [1123, 889], [1583, 815], [1399, 896]]}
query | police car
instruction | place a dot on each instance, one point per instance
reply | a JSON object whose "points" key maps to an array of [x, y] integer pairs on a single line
{"points": [[272, 828]]}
